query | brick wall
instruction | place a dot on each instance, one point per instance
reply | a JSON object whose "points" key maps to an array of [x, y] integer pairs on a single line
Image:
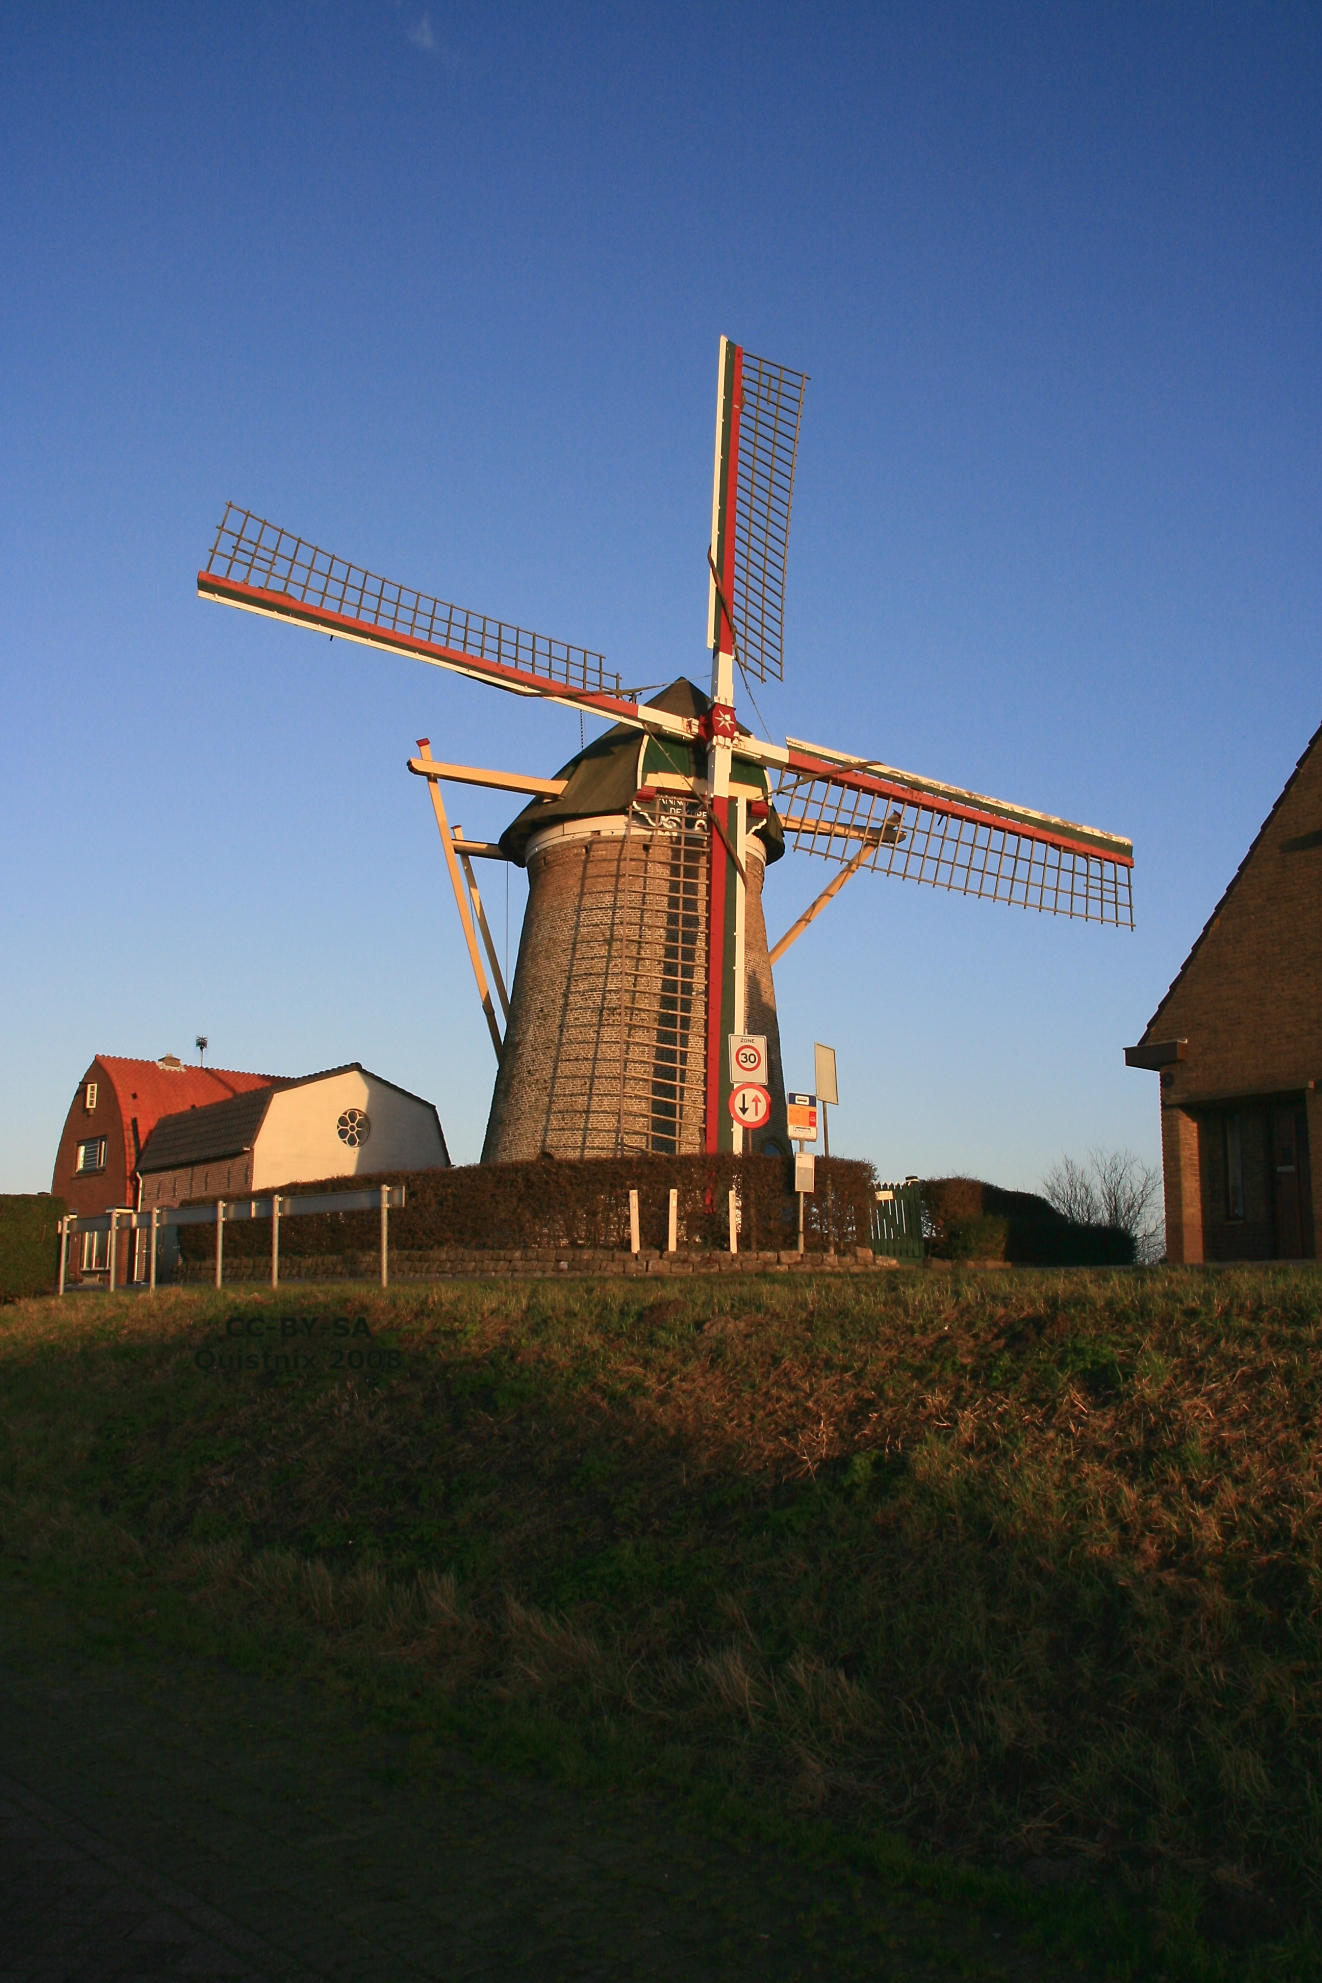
{"points": [[1249, 1003]]}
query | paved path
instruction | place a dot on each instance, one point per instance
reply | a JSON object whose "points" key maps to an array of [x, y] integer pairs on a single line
{"points": [[168, 1818]]}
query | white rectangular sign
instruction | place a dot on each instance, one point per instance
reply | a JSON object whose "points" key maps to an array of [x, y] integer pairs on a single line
{"points": [[748, 1058], [805, 1173], [824, 1073]]}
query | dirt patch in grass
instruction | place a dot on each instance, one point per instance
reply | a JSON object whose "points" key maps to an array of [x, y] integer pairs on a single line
{"points": [[1021, 1568]]}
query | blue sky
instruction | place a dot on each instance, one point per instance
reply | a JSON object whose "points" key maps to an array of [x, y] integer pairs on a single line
{"points": [[440, 288]]}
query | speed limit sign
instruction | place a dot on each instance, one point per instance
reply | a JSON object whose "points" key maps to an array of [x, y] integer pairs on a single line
{"points": [[750, 1105], [748, 1057]]}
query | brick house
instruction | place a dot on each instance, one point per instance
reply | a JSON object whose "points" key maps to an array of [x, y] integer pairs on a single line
{"points": [[115, 1108], [1237, 1043], [141, 1133]]}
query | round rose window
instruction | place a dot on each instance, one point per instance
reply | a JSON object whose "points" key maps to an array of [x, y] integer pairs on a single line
{"points": [[354, 1127]]}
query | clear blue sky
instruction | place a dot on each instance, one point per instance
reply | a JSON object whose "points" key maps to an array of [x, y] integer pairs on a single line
{"points": [[440, 287]]}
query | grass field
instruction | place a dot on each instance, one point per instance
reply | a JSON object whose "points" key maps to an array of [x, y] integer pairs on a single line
{"points": [[1008, 1583]]}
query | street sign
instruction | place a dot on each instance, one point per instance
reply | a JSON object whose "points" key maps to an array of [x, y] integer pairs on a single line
{"points": [[802, 1118], [748, 1057], [805, 1173], [750, 1105], [824, 1072]]}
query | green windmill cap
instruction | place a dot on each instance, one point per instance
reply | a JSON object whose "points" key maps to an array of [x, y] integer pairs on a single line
{"points": [[604, 777]]}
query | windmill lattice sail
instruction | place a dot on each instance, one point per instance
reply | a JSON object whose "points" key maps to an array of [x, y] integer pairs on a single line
{"points": [[921, 830], [768, 446], [256, 564]]}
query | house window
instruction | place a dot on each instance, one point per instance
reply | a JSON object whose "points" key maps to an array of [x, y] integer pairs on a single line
{"points": [[354, 1127], [89, 1097], [91, 1155], [1234, 1167], [96, 1252]]}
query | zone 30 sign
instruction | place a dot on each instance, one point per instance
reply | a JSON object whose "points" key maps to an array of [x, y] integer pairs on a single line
{"points": [[748, 1057]]}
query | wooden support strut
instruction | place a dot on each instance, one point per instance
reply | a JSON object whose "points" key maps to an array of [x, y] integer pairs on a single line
{"points": [[462, 849], [433, 777], [831, 890]]}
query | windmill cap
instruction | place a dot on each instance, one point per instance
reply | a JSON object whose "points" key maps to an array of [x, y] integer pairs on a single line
{"points": [[603, 778]]}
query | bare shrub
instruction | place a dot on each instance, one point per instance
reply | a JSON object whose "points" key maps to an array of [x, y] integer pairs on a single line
{"points": [[1113, 1188]]}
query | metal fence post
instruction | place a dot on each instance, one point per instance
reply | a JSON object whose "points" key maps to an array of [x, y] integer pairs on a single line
{"points": [[64, 1248], [155, 1229], [385, 1234], [672, 1231], [114, 1237], [220, 1241], [734, 1222], [634, 1242], [275, 1239]]}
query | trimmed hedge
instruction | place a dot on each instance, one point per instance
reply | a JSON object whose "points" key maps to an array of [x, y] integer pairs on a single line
{"points": [[967, 1219], [553, 1204], [29, 1244]]}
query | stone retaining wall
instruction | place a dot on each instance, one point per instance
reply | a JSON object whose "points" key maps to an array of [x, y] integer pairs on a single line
{"points": [[455, 1263]]}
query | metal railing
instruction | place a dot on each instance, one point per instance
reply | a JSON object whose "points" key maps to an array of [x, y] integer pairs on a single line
{"points": [[227, 1211]]}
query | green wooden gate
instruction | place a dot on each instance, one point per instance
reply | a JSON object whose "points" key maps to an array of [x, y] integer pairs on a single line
{"points": [[897, 1220]]}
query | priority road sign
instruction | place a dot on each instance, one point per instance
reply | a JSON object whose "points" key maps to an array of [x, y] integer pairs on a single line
{"points": [[750, 1105], [748, 1057]]}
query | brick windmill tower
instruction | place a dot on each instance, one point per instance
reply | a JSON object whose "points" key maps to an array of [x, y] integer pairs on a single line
{"points": [[643, 961]]}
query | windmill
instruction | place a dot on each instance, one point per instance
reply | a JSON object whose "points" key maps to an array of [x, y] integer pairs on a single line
{"points": [[644, 952]]}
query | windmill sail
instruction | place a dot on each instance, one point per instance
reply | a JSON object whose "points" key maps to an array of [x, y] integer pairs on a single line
{"points": [[255, 564], [768, 441], [843, 807]]}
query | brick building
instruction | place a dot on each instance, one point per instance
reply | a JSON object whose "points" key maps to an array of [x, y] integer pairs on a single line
{"points": [[1237, 1043], [155, 1132], [115, 1108]]}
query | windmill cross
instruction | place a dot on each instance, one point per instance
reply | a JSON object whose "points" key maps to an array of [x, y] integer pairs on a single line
{"points": [[644, 947]]}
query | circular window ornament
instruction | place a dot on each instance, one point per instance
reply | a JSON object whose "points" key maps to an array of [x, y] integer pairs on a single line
{"points": [[354, 1127]]}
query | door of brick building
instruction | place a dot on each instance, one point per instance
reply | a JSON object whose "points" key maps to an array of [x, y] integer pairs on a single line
{"points": [[1292, 1185]]}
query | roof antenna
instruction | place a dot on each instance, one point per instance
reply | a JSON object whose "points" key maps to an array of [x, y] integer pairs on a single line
{"points": [[202, 1044]]}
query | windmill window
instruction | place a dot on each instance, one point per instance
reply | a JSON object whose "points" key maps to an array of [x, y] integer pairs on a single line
{"points": [[354, 1127], [91, 1155], [89, 1097], [1234, 1166]]}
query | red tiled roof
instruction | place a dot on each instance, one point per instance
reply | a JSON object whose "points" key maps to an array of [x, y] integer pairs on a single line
{"points": [[146, 1091]]}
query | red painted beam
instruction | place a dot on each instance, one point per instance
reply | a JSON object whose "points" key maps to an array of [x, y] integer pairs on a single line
{"points": [[232, 591], [885, 788]]}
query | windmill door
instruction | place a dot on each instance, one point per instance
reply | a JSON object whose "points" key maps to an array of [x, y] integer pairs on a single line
{"points": [[1292, 1184]]}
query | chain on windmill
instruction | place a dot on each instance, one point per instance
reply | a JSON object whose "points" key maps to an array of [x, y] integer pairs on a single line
{"points": [[644, 950]]}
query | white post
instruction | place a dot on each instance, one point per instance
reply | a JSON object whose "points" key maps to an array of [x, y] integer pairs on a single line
{"points": [[734, 1222], [385, 1230], [634, 1243], [672, 1229], [220, 1240], [64, 1248], [275, 1239], [800, 1222], [155, 1229], [114, 1236]]}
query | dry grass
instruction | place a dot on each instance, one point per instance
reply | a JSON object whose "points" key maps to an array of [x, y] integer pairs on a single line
{"points": [[1025, 1566]]}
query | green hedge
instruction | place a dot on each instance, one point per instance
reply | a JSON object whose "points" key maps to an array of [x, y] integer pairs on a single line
{"points": [[968, 1219], [547, 1203], [29, 1244]]}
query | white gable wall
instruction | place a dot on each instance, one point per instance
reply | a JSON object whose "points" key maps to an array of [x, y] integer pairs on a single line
{"points": [[299, 1141]]}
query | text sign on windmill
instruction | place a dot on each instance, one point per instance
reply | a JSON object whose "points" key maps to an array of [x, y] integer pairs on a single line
{"points": [[644, 946]]}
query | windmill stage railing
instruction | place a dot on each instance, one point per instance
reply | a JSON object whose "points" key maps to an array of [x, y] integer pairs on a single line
{"points": [[952, 840], [251, 553]]}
